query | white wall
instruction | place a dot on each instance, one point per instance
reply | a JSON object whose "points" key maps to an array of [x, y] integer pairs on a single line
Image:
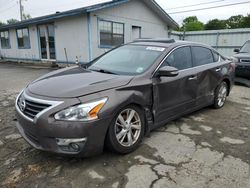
{"points": [[133, 13], [72, 34], [14, 52]]}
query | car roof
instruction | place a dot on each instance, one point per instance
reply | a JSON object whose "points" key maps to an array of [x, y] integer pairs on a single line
{"points": [[165, 42]]}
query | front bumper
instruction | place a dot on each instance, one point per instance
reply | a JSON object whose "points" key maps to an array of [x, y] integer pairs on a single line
{"points": [[243, 70], [47, 134]]}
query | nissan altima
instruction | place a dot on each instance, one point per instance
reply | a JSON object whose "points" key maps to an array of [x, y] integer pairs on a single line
{"points": [[118, 98]]}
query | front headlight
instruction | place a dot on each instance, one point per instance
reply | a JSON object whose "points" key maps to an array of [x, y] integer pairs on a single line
{"points": [[82, 112]]}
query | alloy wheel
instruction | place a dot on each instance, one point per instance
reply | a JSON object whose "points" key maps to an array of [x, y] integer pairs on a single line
{"points": [[128, 127], [222, 95]]}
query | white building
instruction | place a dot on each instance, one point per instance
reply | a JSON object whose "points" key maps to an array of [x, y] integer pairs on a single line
{"points": [[85, 32]]}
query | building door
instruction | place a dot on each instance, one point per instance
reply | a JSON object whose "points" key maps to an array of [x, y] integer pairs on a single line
{"points": [[47, 41], [136, 32]]}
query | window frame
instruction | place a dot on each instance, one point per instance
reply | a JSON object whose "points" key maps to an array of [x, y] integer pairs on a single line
{"points": [[112, 33], [23, 47], [5, 47]]}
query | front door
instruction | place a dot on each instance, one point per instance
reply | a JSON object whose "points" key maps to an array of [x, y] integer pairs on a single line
{"points": [[175, 95], [47, 41], [136, 32]]}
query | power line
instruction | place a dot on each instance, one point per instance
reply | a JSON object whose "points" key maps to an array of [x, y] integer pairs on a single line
{"points": [[219, 6], [10, 2], [195, 5], [8, 9]]}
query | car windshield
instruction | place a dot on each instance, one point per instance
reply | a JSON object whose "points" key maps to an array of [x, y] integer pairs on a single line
{"points": [[245, 48], [127, 60]]}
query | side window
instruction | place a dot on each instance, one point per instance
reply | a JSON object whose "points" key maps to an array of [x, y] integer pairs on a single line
{"points": [[181, 59], [23, 39], [111, 33], [5, 39], [202, 56]]}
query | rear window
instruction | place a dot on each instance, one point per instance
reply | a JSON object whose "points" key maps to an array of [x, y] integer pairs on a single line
{"points": [[202, 56]]}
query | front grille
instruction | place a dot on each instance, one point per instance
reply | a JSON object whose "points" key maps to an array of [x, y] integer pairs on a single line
{"points": [[31, 108], [245, 60]]}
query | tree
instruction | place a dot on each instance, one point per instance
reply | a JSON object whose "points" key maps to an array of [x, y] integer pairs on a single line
{"points": [[12, 21], [246, 21], [192, 24], [235, 22], [26, 16], [1, 23], [216, 24]]}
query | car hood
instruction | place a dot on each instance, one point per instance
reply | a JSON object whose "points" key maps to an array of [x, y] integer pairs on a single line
{"points": [[75, 82], [242, 55]]}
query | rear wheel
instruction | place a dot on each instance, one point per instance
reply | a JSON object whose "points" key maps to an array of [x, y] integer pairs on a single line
{"points": [[126, 131], [220, 95]]}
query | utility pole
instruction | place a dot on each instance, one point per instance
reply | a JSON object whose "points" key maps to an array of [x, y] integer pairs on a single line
{"points": [[21, 9]]}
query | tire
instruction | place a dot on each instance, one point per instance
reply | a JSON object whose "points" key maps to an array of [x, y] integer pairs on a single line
{"points": [[220, 95], [119, 137]]}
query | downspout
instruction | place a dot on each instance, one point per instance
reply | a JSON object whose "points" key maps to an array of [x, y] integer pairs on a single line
{"points": [[89, 36]]}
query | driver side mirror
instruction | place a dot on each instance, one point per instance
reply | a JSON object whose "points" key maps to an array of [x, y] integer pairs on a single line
{"points": [[168, 71], [237, 50]]}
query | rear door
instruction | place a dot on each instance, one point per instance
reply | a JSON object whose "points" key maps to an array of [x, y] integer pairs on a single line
{"points": [[175, 95], [207, 67]]}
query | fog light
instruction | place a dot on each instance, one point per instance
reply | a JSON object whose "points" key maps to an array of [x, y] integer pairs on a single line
{"points": [[71, 145], [75, 146]]}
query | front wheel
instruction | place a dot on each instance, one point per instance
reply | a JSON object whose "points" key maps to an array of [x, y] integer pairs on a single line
{"points": [[220, 95], [126, 131]]}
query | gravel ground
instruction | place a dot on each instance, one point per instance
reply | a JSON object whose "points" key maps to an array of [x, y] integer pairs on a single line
{"points": [[209, 148]]}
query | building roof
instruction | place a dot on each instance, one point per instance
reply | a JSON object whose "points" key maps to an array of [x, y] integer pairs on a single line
{"points": [[49, 18]]}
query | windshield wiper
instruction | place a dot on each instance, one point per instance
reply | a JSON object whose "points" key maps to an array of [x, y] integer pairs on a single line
{"points": [[244, 52], [103, 71]]}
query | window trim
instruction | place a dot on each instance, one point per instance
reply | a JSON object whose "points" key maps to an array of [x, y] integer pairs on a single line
{"points": [[99, 32], [9, 46], [29, 46]]}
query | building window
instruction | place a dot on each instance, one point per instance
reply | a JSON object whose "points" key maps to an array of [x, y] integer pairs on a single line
{"points": [[5, 39], [111, 33], [23, 39]]}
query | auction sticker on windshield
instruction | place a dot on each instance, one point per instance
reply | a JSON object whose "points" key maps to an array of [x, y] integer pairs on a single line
{"points": [[155, 49]]}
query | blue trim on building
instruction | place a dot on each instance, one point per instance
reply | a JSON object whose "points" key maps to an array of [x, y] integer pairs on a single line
{"points": [[108, 5], [38, 41], [89, 35], [105, 46]]}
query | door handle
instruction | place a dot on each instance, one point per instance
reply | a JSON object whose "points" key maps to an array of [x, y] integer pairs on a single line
{"points": [[218, 69], [192, 78]]}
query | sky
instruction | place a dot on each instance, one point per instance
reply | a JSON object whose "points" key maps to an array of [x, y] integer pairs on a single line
{"points": [[10, 8]]}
